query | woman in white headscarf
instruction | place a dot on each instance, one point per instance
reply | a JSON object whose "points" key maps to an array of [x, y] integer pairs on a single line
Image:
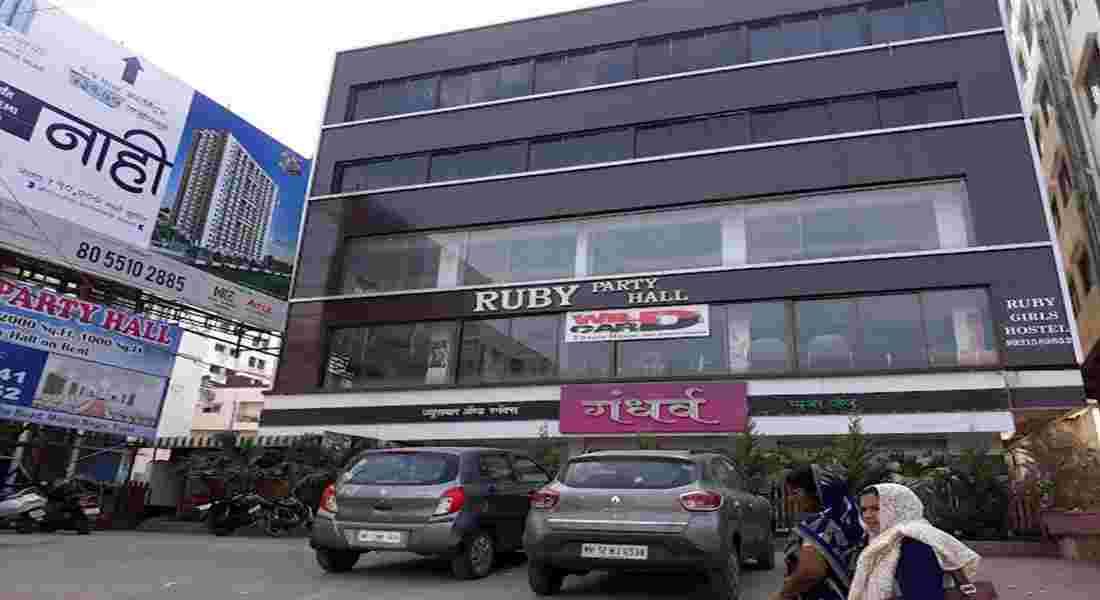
{"points": [[906, 556]]}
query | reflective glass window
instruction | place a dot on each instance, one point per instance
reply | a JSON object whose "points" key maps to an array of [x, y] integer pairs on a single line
{"points": [[920, 106], [510, 349], [680, 356], [393, 172], [406, 262], [658, 242], [960, 328], [927, 18], [605, 146], [891, 333], [684, 136], [889, 21], [853, 114], [766, 41], [802, 35], [480, 162], [520, 254], [807, 120], [844, 29], [391, 355], [826, 334], [758, 337]]}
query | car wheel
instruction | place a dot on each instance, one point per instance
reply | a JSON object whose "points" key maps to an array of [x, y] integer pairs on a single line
{"points": [[544, 580], [766, 560], [725, 581], [336, 561], [475, 560]]}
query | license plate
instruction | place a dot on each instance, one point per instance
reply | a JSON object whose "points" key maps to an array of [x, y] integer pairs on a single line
{"points": [[614, 551], [367, 537], [37, 513]]}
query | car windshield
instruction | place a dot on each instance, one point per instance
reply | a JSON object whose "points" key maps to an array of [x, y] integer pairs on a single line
{"points": [[630, 473], [404, 468]]}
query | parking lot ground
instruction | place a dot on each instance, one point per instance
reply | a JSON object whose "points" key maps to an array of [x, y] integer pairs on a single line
{"points": [[154, 566]]}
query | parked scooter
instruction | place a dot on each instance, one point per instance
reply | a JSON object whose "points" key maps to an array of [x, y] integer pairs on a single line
{"points": [[23, 503], [66, 508], [287, 514]]}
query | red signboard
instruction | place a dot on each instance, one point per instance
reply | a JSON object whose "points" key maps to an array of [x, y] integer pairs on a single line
{"points": [[690, 407]]}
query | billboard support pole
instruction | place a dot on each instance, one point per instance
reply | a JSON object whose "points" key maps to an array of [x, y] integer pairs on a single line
{"points": [[17, 455]]}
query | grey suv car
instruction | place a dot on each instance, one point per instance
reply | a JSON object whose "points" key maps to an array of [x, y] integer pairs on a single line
{"points": [[648, 511], [464, 503]]}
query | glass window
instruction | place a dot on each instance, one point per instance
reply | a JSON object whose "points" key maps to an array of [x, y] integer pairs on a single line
{"points": [[405, 262], [390, 355], [859, 223], [606, 146], [672, 138], [585, 360], [765, 41], [419, 94], [584, 69], [927, 18], [807, 120], [520, 254], [629, 473], [844, 29], [889, 21], [758, 337], [922, 106], [403, 468], [481, 162], [392, 172], [369, 102], [484, 85], [510, 349], [853, 114], [454, 90], [892, 334], [802, 35], [960, 328], [728, 130], [826, 334], [495, 467], [529, 472], [657, 242], [680, 356], [515, 80], [654, 58]]}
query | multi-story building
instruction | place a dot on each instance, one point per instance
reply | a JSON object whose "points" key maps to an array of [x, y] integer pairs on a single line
{"points": [[660, 217], [18, 14], [1056, 52], [226, 200]]}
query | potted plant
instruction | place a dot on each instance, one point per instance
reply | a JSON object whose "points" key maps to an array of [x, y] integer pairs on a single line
{"points": [[1066, 476]]}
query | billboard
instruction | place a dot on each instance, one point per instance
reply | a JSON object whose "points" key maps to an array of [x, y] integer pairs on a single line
{"points": [[113, 167], [653, 323], [70, 363], [628, 408]]}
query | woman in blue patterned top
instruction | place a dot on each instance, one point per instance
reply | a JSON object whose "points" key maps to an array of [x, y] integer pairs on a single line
{"points": [[823, 550]]}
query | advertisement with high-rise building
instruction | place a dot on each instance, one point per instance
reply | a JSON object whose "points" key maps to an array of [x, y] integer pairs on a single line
{"points": [[110, 166]]}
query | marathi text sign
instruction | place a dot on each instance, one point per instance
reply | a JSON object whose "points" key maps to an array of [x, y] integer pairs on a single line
{"points": [[66, 362], [653, 323], [690, 407]]}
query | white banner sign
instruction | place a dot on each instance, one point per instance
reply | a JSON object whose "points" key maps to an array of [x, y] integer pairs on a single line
{"points": [[114, 167], [657, 322]]}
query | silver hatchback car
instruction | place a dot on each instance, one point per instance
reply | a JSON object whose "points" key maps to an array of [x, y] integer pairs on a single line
{"points": [[467, 504], [648, 511]]}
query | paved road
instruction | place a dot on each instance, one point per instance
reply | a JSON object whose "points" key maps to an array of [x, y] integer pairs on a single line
{"points": [[156, 566]]}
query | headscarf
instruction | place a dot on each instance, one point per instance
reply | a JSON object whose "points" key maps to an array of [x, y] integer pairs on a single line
{"points": [[836, 532], [901, 516]]}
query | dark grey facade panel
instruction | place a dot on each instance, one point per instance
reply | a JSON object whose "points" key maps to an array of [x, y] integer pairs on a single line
{"points": [[980, 67], [581, 29], [992, 157]]}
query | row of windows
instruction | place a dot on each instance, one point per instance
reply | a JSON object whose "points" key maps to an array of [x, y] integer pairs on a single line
{"points": [[844, 115], [939, 329], [871, 23], [860, 222]]}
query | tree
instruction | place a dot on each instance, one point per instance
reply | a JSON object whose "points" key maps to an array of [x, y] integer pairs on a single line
{"points": [[1061, 470], [856, 453], [755, 465], [976, 490]]}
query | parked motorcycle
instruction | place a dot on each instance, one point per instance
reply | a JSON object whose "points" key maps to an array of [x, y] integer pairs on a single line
{"points": [[227, 515], [67, 507], [287, 514]]}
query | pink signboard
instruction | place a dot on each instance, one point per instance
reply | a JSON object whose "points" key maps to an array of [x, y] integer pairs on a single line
{"points": [[689, 407]]}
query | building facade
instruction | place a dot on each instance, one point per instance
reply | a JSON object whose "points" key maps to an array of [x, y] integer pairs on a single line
{"points": [[1058, 60], [661, 218], [226, 200]]}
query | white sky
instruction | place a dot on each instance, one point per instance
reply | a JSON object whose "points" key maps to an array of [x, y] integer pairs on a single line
{"points": [[269, 60]]}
